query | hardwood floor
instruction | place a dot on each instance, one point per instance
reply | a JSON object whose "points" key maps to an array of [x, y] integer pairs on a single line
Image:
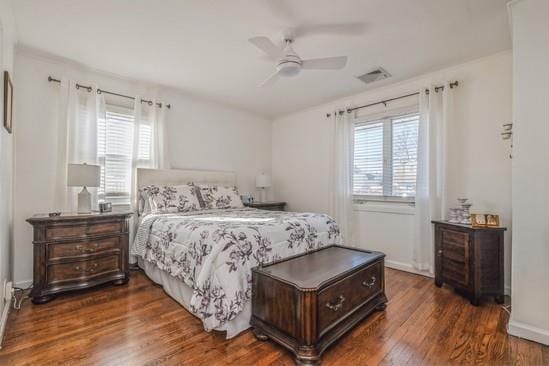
{"points": [[138, 324]]}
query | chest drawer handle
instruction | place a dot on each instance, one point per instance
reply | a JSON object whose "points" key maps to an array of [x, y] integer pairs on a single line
{"points": [[371, 283], [337, 305], [86, 270], [83, 249]]}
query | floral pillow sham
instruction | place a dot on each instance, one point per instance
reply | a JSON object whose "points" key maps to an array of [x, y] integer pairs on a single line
{"points": [[214, 196], [166, 199]]}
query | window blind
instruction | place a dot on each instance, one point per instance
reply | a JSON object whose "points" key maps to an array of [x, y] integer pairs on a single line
{"points": [[385, 157], [368, 159], [115, 151]]}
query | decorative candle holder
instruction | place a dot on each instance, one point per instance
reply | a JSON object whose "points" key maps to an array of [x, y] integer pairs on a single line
{"points": [[466, 215], [454, 215]]}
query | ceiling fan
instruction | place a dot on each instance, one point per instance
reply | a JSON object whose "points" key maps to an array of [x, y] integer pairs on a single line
{"points": [[288, 62]]}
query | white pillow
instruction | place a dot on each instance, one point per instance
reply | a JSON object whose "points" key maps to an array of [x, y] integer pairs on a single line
{"points": [[181, 198], [214, 196]]}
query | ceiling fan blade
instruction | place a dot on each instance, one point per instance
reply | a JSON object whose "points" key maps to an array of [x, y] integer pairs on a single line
{"points": [[270, 80], [328, 63], [265, 45], [345, 29]]}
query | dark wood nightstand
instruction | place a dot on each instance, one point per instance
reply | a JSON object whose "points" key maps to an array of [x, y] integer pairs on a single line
{"points": [[470, 259], [77, 251], [271, 206]]}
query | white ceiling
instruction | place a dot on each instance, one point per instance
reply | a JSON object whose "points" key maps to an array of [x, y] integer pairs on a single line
{"points": [[201, 47]]}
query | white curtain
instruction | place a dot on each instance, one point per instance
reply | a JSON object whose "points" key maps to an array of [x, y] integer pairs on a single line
{"points": [[149, 120], [431, 199], [78, 133], [342, 190]]}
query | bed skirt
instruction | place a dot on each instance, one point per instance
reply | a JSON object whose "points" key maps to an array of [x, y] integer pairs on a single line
{"points": [[182, 293]]}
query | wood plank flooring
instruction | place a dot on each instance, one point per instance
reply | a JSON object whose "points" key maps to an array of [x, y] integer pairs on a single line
{"points": [[138, 324]]}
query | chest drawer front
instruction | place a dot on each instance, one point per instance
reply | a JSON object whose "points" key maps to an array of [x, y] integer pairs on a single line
{"points": [[342, 297], [83, 230], [454, 253], [82, 269], [67, 250]]}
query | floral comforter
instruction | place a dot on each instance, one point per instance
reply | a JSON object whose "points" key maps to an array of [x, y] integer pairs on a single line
{"points": [[213, 251]]}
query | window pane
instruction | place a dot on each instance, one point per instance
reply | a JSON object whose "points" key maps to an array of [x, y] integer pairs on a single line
{"points": [[368, 159], [404, 147], [115, 153]]}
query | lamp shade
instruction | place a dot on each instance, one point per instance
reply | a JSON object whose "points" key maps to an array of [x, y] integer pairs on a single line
{"points": [[262, 181], [83, 175]]}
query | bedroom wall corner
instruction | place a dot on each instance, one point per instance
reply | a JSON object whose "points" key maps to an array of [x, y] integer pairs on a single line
{"points": [[7, 42]]}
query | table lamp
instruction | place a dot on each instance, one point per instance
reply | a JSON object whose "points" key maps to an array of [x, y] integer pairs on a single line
{"points": [[84, 175], [262, 181]]}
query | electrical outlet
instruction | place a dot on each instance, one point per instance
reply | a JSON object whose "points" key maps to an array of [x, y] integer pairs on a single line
{"points": [[8, 290]]}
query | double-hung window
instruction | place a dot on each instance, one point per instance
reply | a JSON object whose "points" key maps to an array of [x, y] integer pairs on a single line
{"points": [[385, 158], [122, 145]]}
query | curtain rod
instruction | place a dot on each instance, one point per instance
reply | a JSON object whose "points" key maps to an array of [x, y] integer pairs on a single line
{"points": [[101, 91], [384, 102]]}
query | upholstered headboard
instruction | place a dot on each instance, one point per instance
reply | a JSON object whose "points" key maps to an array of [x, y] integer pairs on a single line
{"points": [[159, 177], [146, 177]]}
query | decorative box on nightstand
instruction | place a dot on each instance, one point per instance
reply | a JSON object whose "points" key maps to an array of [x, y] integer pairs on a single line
{"points": [[271, 206], [77, 251]]}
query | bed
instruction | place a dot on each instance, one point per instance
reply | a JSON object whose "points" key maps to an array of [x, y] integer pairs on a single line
{"points": [[203, 258]]}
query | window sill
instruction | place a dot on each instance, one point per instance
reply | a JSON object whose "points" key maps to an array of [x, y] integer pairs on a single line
{"points": [[398, 208]]}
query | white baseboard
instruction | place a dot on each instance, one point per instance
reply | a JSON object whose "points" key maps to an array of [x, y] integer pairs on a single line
{"points": [[4, 319], [406, 268], [527, 331], [409, 268], [23, 284]]}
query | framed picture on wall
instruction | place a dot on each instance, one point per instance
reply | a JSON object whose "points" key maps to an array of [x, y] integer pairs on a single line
{"points": [[8, 102]]}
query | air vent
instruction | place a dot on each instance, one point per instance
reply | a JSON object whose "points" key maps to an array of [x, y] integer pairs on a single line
{"points": [[375, 75]]}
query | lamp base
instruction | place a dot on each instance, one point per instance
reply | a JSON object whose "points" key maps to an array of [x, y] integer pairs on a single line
{"points": [[84, 201], [263, 195]]}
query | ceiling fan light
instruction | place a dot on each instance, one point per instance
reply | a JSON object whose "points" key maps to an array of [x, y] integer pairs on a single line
{"points": [[288, 69]]}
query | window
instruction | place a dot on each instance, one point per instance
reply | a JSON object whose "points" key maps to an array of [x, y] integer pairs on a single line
{"points": [[115, 152], [385, 157]]}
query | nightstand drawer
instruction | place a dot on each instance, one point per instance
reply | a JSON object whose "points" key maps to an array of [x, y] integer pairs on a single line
{"points": [[85, 248], [83, 230], [75, 271]]}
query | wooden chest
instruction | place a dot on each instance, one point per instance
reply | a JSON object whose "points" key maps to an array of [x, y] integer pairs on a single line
{"points": [[470, 259], [307, 302], [76, 251]]}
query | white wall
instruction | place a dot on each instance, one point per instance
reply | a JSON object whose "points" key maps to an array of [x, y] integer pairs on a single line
{"points": [[479, 166], [530, 314], [7, 41], [201, 135]]}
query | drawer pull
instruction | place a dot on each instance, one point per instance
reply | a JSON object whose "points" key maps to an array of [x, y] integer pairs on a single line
{"points": [[371, 283], [83, 249], [86, 270], [440, 252], [337, 305]]}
